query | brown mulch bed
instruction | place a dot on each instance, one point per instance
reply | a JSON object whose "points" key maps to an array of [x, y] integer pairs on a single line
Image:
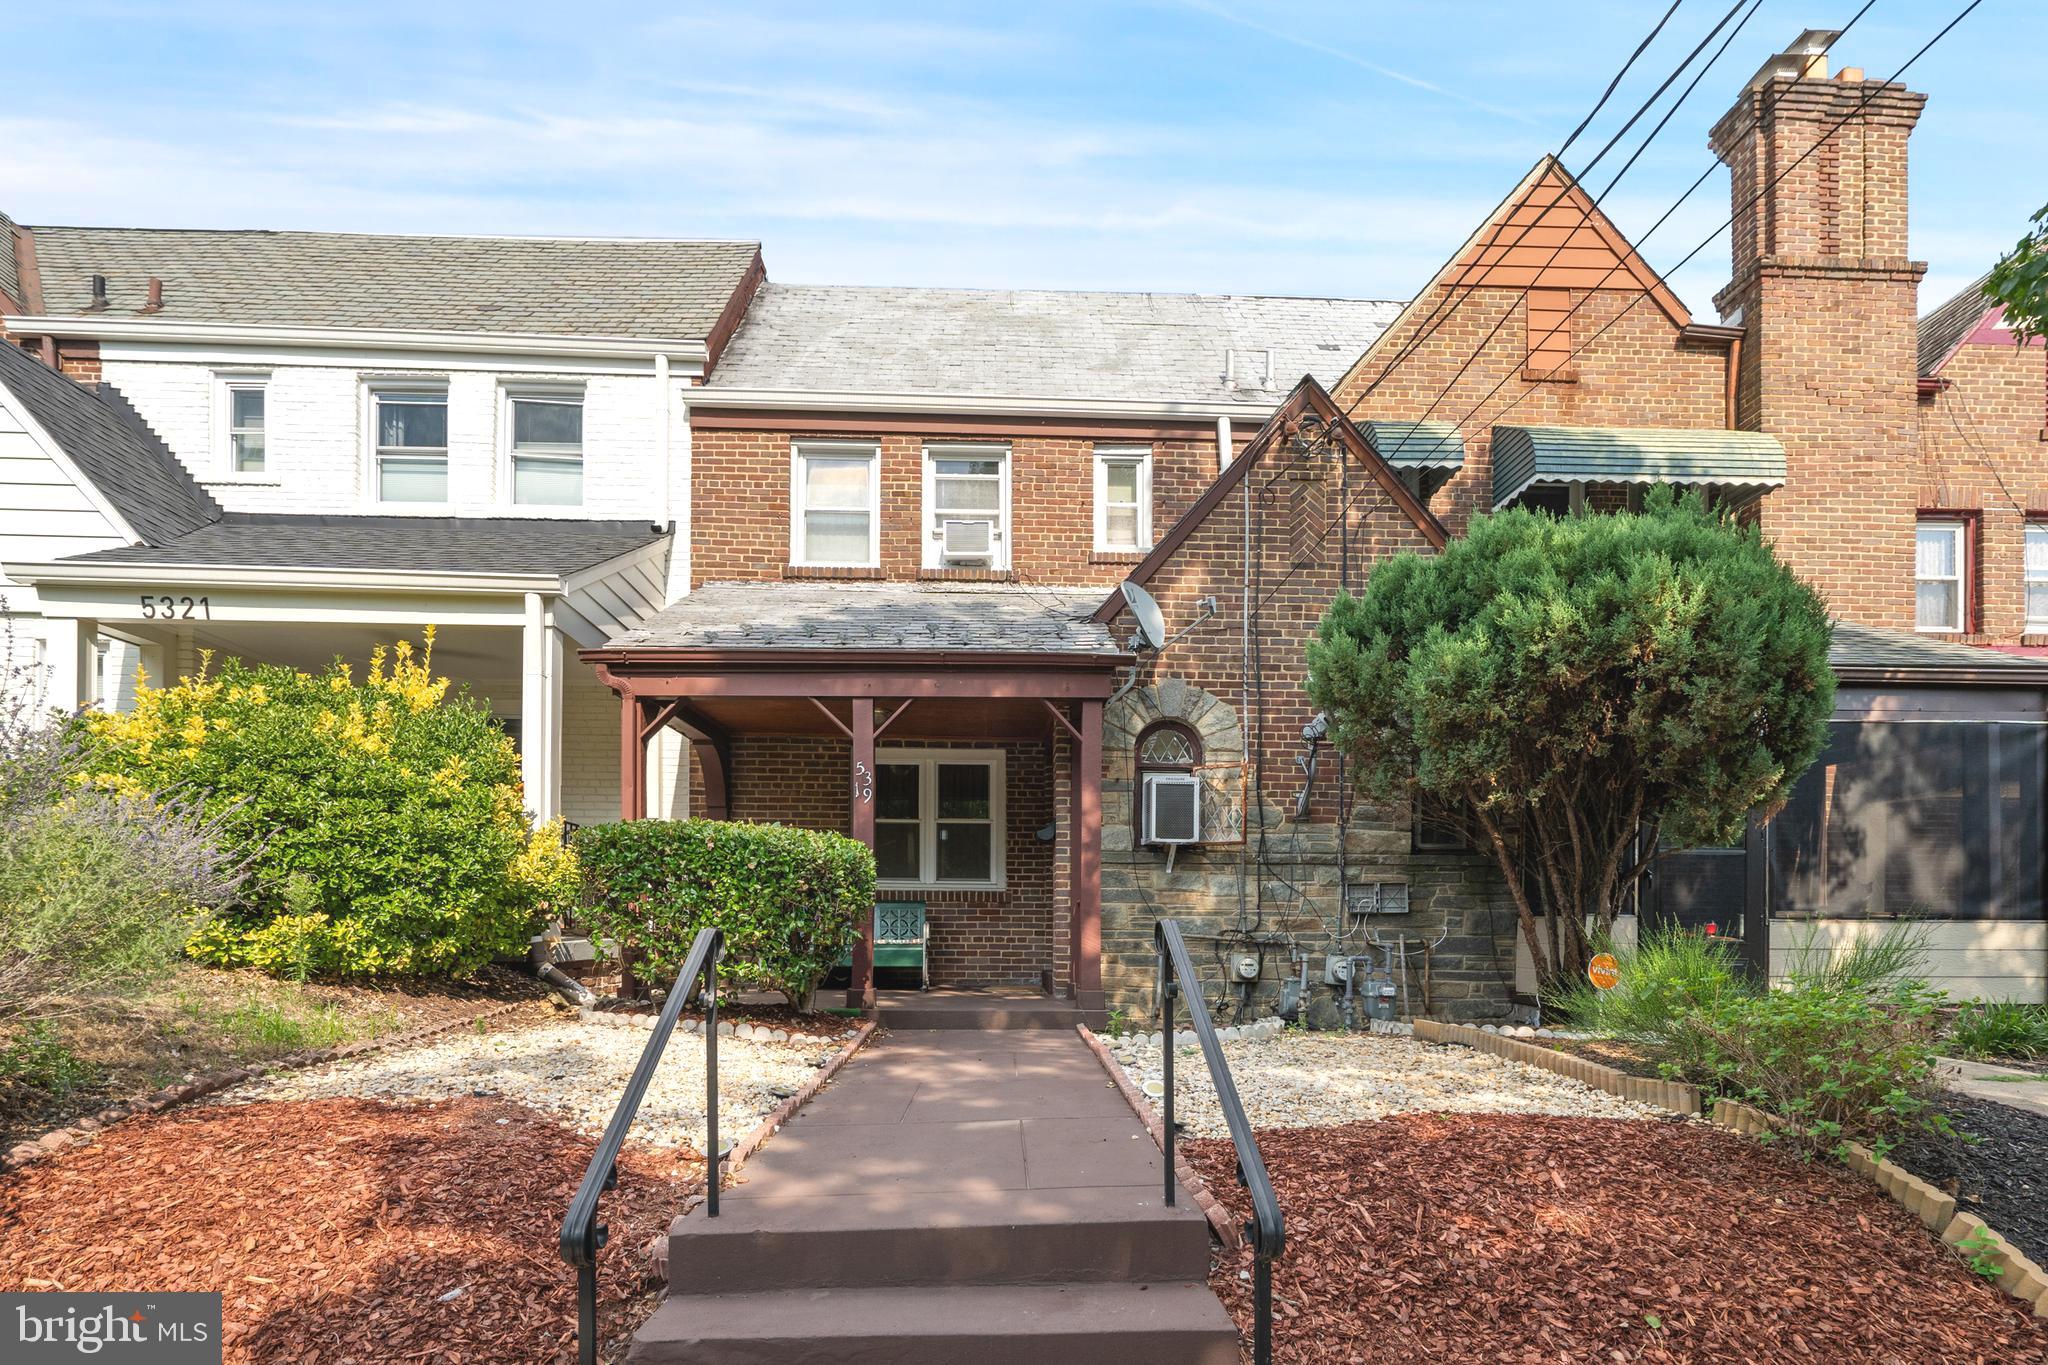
{"points": [[345, 1230], [1528, 1238]]}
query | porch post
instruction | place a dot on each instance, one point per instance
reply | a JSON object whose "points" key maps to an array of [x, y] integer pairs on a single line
{"points": [[540, 729], [68, 654], [860, 986], [632, 759], [1086, 842]]}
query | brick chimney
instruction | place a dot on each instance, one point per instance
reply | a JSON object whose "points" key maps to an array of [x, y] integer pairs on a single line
{"points": [[1829, 301]]}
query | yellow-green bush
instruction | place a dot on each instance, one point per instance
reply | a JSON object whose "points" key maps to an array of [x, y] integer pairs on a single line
{"points": [[382, 816]]}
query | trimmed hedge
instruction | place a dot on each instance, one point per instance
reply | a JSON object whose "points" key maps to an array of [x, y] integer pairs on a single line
{"points": [[790, 901]]}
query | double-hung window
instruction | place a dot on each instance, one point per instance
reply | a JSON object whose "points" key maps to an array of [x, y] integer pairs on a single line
{"points": [[2037, 578], [834, 501], [411, 435], [1939, 561], [1123, 499], [939, 818], [967, 506], [547, 449], [241, 401]]}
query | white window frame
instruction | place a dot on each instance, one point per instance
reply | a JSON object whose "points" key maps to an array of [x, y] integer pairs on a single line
{"points": [[928, 761], [400, 388], [932, 555], [1959, 531], [225, 385], [839, 450], [508, 396], [1105, 456], [2035, 625]]}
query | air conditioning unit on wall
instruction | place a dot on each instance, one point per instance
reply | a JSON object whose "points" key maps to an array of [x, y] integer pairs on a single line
{"points": [[968, 539], [1173, 808]]}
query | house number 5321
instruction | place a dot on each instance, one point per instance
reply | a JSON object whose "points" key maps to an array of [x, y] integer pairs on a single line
{"points": [[167, 608]]}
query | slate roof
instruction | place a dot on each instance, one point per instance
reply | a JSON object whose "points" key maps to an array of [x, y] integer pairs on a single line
{"points": [[975, 618], [1875, 647], [558, 286], [111, 444], [1942, 330], [10, 270], [1044, 343], [426, 545]]}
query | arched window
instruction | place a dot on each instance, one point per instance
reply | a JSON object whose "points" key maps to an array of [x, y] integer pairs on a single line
{"points": [[1164, 746]]}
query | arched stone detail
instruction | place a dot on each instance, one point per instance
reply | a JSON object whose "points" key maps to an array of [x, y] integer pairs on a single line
{"points": [[1171, 698]]}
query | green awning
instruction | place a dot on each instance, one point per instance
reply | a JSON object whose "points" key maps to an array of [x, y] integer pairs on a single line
{"points": [[1526, 456], [1427, 454]]}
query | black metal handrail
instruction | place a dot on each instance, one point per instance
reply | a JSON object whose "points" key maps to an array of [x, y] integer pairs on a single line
{"points": [[1268, 1237], [582, 1235]]}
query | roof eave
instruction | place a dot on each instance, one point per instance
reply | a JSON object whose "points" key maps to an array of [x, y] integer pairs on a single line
{"points": [[675, 658], [275, 576], [101, 327], [1943, 675], [848, 400]]}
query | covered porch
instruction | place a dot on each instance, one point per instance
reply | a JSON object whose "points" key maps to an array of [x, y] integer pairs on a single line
{"points": [[955, 729]]}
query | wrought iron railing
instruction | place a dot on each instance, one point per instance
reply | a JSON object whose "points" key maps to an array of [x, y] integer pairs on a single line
{"points": [[582, 1235], [1177, 978]]}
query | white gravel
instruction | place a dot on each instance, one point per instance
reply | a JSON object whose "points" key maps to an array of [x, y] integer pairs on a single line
{"points": [[1298, 1079], [575, 1071]]}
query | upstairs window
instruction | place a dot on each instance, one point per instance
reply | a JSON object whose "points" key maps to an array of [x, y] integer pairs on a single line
{"points": [[240, 403], [547, 450], [967, 501], [1123, 499], [1939, 561], [411, 428], [835, 504], [2037, 578]]}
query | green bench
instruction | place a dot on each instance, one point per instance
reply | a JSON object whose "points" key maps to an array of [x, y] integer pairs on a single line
{"points": [[901, 935]]}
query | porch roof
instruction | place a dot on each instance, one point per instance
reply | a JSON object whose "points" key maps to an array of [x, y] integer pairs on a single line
{"points": [[879, 618], [1523, 456]]}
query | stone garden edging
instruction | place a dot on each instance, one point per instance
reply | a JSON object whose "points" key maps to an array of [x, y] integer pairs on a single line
{"points": [[1935, 1208], [1675, 1096], [1227, 1232], [213, 1082]]}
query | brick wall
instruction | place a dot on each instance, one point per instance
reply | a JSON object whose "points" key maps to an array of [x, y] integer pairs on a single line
{"points": [[740, 490]]}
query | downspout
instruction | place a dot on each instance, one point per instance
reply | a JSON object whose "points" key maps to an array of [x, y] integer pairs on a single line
{"points": [[1222, 444], [1734, 367], [661, 423]]}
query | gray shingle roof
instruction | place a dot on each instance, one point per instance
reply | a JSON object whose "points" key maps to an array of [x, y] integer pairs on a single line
{"points": [[10, 270], [1875, 647], [979, 618], [1042, 343], [1942, 330], [111, 444], [497, 545], [550, 286]]}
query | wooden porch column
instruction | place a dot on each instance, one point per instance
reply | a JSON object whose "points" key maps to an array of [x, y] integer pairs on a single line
{"points": [[1085, 898], [632, 758], [860, 986]]}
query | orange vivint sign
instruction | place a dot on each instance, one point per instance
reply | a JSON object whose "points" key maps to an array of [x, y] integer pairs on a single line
{"points": [[1603, 971]]}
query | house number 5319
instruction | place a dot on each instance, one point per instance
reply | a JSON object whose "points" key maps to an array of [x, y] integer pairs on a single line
{"points": [[167, 608]]}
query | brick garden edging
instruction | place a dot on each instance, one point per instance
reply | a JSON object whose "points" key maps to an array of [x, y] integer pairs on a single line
{"points": [[85, 1129], [1675, 1096], [1935, 1208], [1227, 1232]]}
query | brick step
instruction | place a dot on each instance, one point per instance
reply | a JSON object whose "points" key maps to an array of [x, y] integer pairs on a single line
{"points": [[1071, 1324], [1096, 1234]]}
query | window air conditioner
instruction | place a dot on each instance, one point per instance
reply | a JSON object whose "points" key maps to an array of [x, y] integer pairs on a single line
{"points": [[1173, 808], [968, 539]]}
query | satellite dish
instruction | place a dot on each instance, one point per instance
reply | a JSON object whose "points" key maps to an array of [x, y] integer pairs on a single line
{"points": [[1145, 611]]}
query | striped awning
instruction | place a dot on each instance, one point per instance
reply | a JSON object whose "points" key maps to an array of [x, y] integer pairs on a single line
{"points": [[1526, 456], [1428, 453]]}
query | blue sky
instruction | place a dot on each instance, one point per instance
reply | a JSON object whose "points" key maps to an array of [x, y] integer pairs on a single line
{"points": [[1316, 148]]}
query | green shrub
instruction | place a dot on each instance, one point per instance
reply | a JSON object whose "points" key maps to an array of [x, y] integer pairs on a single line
{"points": [[1669, 971], [1835, 1065], [789, 900], [1878, 958], [2001, 1028], [383, 817], [37, 1062]]}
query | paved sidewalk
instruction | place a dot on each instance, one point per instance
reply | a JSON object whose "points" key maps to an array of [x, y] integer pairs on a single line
{"points": [[2010, 1085]]}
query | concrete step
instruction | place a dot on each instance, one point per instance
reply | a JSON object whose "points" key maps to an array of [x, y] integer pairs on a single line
{"points": [[996, 1015], [954, 1237], [1071, 1324]]}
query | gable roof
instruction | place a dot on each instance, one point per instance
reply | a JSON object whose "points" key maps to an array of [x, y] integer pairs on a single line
{"points": [[1547, 233], [1017, 343], [111, 445], [1943, 331], [1308, 399], [553, 286]]}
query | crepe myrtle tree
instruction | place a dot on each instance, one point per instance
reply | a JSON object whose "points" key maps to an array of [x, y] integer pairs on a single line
{"points": [[1572, 693]]}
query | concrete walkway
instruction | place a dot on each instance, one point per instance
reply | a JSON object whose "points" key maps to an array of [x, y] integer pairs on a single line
{"points": [[952, 1195], [2008, 1085]]}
